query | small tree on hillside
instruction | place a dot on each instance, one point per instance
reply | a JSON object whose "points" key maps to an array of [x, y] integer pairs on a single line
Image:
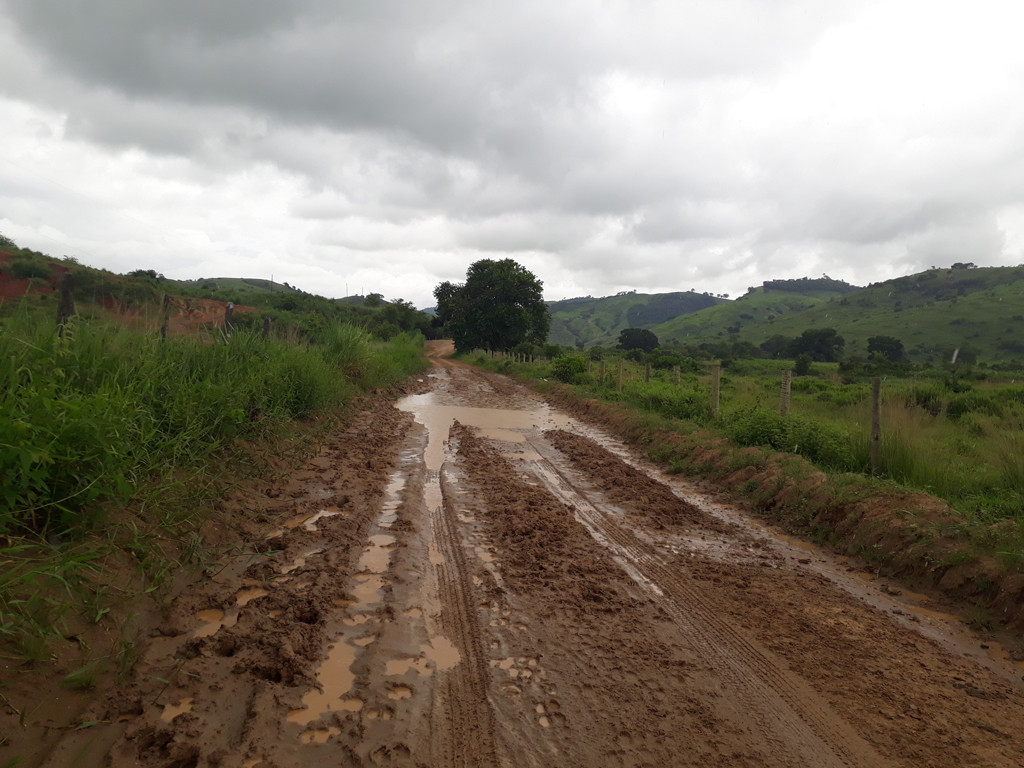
{"points": [[888, 347], [824, 345]]}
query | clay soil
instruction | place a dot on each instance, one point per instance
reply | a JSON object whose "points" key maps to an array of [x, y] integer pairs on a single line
{"points": [[473, 578]]}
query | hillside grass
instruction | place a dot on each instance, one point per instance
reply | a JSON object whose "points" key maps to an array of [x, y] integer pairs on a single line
{"points": [[955, 437], [599, 321]]}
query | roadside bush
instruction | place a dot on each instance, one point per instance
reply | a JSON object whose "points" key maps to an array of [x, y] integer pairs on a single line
{"points": [[23, 269], [569, 368], [930, 398], [972, 402], [825, 445], [669, 400]]}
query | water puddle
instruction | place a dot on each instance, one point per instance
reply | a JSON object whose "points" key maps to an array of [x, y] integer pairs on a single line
{"points": [[399, 667], [246, 596], [300, 561], [503, 424], [319, 735], [368, 588], [336, 679], [213, 620], [392, 500], [443, 653], [171, 711], [377, 556], [399, 692]]}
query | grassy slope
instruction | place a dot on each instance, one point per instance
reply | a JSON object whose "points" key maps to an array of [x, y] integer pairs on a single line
{"points": [[598, 321], [237, 284], [759, 307], [932, 313]]}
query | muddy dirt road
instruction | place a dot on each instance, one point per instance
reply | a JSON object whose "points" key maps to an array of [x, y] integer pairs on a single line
{"points": [[475, 579]]}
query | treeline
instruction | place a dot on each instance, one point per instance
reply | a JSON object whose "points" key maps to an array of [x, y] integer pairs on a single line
{"points": [[810, 285]]}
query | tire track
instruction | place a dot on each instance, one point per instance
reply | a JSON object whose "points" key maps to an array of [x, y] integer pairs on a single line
{"points": [[790, 715], [468, 716]]}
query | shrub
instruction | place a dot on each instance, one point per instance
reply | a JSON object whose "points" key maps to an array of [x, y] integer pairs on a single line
{"points": [[23, 269], [569, 368]]}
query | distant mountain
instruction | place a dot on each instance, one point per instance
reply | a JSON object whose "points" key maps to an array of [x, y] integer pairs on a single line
{"points": [[593, 321]]}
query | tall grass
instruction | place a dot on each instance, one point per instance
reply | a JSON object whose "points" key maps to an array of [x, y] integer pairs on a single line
{"points": [[108, 415], [959, 439]]}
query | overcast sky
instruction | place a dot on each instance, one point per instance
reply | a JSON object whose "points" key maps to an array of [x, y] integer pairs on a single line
{"points": [[384, 145]]}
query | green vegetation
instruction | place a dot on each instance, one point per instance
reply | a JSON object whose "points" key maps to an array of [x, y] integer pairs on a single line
{"points": [[588, 321], [500, 306], [952, 433], [637, 338], [115, 444]]}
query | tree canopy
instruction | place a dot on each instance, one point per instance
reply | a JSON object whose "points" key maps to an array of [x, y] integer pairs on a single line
{"points": [[498, 307], [637, 338], [888, 347]]}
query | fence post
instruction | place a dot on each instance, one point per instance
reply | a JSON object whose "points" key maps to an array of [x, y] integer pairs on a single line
{"points": [[602, 373], [675, 374], [787, 387], [266, 327], [876, 425], [647, 374], [66, 309], [229, 310], [716, 387], [165, 316], [618, 381]]}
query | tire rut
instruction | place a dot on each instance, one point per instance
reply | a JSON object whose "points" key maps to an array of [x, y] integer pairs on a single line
{"points": [[794, 720], [468, 716]]}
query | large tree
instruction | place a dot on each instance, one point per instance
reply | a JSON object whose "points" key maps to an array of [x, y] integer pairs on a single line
{"points": [[823, 345], [888, 347], [498, 307], [637, 338]]}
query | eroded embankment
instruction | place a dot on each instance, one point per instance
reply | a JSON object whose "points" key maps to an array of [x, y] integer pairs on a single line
{"points": [[914, 537]]}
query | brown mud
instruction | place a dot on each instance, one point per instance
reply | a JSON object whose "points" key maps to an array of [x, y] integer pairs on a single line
{"points": [[475, 579]]}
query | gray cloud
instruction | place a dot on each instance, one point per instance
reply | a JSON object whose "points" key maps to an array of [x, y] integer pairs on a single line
{"points": [[648, 145]]}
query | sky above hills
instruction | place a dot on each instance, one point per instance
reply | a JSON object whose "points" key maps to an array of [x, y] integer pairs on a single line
{"points": [[378, 145]]}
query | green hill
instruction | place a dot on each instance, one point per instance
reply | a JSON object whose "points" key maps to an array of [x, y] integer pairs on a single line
{"points": [[593, 321], [759, 307], [977, 310]]}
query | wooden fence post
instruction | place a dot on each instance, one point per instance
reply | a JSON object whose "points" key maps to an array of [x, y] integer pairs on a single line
{"points": [[66, 309], [787, 387], [165, 316], [876, 425], [675, 374], [602, 373], [647, 374], [229, 310], [618, 381], [716, 387]]}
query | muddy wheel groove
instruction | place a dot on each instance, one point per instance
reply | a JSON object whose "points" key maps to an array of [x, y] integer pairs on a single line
{"points": [[792, 705], [469, 718]]}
